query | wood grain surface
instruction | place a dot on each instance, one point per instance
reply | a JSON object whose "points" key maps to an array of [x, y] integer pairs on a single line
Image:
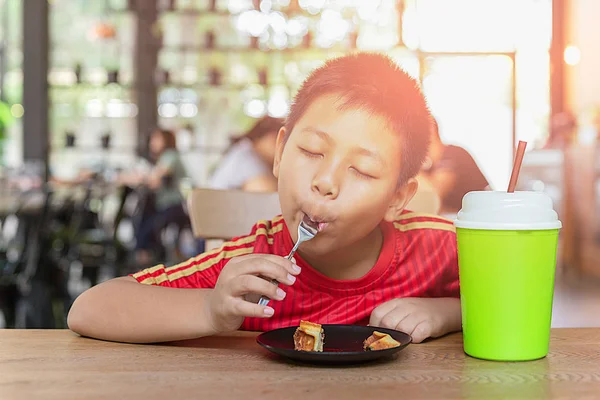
{"points": [[57, 364]]}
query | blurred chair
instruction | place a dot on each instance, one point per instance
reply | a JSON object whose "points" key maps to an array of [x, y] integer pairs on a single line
{"points": [[224, 214]]}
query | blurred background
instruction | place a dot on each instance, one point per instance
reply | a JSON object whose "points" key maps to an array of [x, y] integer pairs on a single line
{"points": [[108, 107]]}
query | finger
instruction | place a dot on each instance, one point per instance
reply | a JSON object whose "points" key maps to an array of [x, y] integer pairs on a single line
{"points": [[289, 265], [409, 323], [391, 319], [293, 260], [247, 284], [380, 312], [268, 269], [243, 308], [421, 332]]}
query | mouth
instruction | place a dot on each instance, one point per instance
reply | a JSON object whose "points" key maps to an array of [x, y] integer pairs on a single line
{"points": [[319, 223]]}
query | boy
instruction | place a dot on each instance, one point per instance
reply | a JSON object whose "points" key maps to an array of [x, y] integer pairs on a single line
{"points": [[346, 158]]}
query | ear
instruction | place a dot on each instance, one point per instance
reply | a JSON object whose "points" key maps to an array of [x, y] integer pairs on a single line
{"points": [[401, 198], [279, 145]]}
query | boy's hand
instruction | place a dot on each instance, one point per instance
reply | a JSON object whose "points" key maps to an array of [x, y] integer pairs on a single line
{"points": [[419, 317], [241, 282]]}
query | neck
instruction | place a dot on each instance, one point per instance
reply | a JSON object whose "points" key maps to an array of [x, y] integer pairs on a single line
{"points": [[350, 262]]}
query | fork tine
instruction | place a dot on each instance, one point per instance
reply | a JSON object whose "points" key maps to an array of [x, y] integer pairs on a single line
{"points": [[307, 225]]}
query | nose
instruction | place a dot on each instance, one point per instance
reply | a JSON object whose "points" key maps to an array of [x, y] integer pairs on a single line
{"points": [[326, 182]]}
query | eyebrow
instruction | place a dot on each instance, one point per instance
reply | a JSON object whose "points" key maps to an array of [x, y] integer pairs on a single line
{"points": [[322, 134], [369, 153], [357, 150]]}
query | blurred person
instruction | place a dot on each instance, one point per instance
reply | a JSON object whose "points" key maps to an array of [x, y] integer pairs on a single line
{"points": [[452, 171], [164, 201], [248, 163]]}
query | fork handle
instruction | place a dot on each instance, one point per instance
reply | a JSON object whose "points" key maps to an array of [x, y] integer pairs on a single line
{"points": [[265, 300]]}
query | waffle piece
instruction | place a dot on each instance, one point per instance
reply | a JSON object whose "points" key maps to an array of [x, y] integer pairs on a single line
{"points": [[309, 337], [379, 341]]}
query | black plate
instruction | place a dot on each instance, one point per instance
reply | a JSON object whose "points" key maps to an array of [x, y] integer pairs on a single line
{"points": [[343, 344]]}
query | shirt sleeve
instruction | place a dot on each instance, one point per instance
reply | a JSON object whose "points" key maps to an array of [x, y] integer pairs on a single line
{"points": [[200, 272]]}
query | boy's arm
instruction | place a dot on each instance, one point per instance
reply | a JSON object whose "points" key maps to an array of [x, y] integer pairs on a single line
{"points": [[206, 295], [453, 322], [450, 316], [419, 317], [124, 310]]}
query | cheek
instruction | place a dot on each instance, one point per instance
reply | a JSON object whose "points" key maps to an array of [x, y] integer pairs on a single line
{"points": [[294, 169], [289, 175], [367, 200]]}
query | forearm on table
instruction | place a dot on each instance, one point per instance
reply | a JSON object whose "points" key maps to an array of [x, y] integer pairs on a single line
{"points": [[453, 316], [124, 310]]}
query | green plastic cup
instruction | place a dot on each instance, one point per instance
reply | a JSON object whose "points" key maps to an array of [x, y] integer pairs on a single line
{"points": [[507, 260]]}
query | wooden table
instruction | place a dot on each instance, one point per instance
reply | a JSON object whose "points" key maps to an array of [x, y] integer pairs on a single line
{"points": [[60, 365]]}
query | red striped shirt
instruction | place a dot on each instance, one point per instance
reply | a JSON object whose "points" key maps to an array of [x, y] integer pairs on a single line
{"points": [[418, 259]]}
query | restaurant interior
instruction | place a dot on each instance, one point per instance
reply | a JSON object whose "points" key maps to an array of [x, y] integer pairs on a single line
{"points": [[85, 86]]}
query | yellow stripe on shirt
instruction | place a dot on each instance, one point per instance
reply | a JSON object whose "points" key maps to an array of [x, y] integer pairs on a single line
{"points": [[234, 243], [424, 225], [193, 264], [148, 271], [207, 264]]}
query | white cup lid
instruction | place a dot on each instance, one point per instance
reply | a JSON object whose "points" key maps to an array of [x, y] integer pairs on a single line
{"points": [[507, 211]]}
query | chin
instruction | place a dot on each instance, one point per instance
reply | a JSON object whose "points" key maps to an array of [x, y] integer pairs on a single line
{"points": [[321, 246]]}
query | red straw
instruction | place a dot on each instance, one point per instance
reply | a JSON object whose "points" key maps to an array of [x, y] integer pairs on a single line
{"points": [[517, 166]]}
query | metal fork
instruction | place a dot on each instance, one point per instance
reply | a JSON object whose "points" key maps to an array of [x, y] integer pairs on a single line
{"points": [[306, 231]]}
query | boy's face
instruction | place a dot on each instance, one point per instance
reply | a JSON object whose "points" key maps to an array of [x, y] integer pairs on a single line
{"points": [[340, 168], [157, 144]]}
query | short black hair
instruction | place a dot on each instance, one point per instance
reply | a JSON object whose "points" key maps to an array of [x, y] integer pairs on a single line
{"points": [[375, 83]]}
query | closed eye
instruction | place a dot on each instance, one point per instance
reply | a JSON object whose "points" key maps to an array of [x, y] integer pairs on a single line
{"points": [[361, 175], [309, 154]]}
